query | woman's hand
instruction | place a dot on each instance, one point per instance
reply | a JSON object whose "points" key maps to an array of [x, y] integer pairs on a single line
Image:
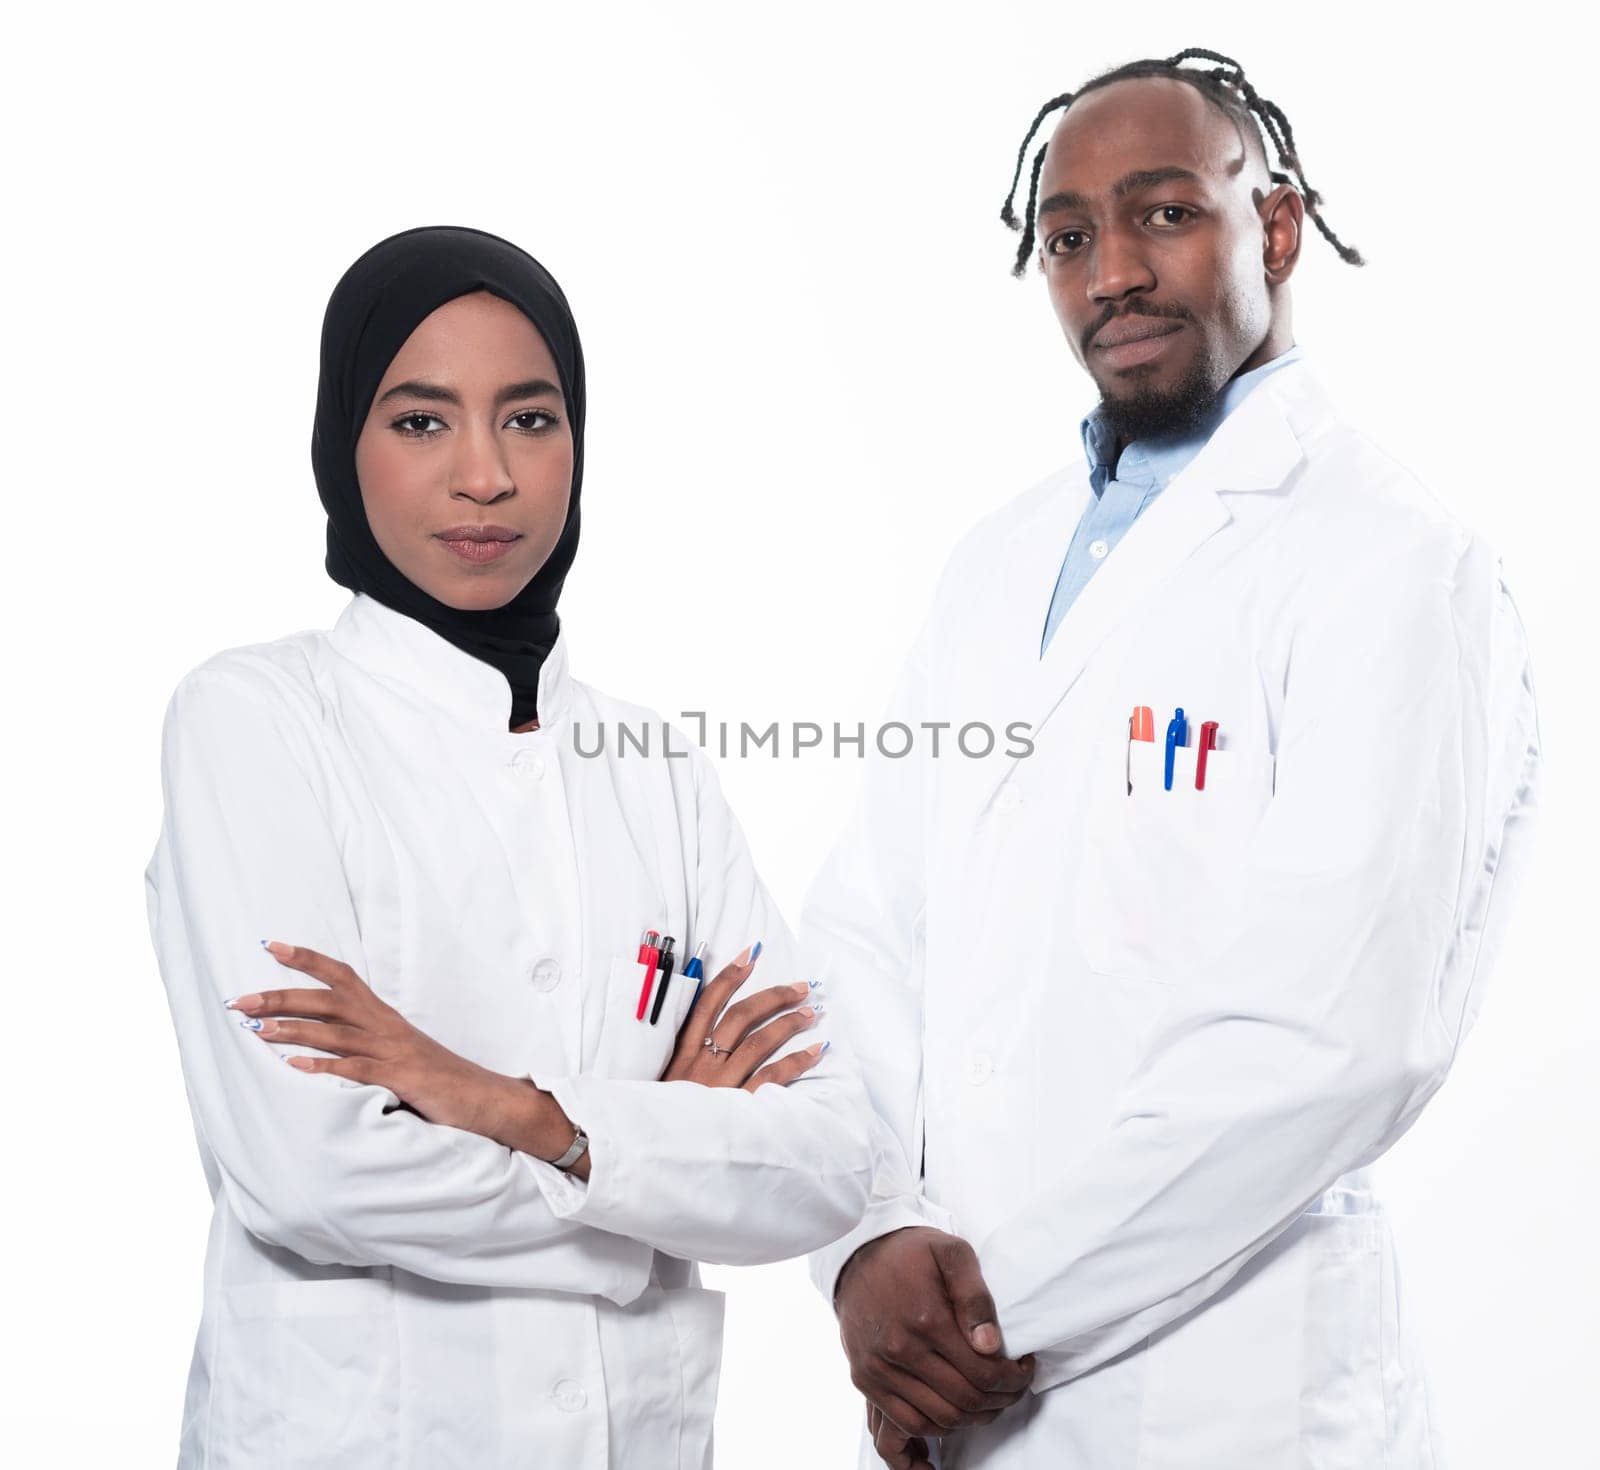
{"points": [[370, 1041], [745, 1035]]}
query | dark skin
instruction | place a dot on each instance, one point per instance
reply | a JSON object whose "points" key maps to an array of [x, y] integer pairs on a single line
{"points": [[1153, 210], [1153, 206]]}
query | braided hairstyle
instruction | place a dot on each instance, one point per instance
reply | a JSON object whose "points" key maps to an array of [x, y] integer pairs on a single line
{"points": [[1223, 85]]}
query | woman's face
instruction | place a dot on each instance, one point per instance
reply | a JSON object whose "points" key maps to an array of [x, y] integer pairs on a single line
{"points": [[467, 438]]}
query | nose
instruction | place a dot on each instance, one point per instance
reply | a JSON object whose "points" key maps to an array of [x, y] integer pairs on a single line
{"points": [[480, 471], [1117, 268]]}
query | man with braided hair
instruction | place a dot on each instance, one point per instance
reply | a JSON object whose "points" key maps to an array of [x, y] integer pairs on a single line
{"points": [[1136, 1014]]}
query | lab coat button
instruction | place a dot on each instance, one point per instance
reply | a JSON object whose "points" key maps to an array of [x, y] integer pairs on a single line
{"points": [[546, 975], [1098, 550], [529, 762], [569, 1396], [980, 1067], [1010, 797]]}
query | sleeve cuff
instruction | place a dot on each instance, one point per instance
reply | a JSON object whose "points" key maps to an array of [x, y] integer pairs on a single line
{"points": [[882, 1217], [595, 1201]]}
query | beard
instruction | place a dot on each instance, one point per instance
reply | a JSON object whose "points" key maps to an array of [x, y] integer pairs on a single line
{"points": [[1148, 412]]}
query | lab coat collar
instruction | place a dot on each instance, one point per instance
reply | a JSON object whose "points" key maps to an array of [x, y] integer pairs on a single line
{"points": [[1254, 449], [407, 654]]}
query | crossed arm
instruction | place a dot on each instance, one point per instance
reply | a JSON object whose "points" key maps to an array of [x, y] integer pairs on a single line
{"points": [[335, 1170]]}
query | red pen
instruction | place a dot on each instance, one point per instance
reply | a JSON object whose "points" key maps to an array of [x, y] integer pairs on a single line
{"points": [[649, 957], [1207, 742]]}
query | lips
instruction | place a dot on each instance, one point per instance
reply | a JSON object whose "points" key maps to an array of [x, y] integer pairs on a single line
{"points": [[1121, 330], [479, 533]]}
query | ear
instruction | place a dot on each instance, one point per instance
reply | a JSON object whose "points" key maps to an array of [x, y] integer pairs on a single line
{"points": [[1283, 214]]}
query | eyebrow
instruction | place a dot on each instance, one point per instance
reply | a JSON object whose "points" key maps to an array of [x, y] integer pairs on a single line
{"points": [[1140, 178], [433, 393]]}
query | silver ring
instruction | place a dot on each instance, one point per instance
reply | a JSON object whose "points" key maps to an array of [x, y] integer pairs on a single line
{"points": [[716, 1051]]}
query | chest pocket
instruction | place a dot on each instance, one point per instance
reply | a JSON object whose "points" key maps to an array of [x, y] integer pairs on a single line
{"points": [[1160, 876], [630, 1047]]}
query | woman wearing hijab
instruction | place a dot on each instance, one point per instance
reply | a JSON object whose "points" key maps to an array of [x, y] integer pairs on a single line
{"points": [[464, 1152]]}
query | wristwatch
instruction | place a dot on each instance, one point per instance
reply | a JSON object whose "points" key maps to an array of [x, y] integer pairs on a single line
{"points": [[574, 1151]]}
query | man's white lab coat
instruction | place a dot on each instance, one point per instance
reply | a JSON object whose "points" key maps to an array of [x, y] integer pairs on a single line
{"points": [[1139, 1046]]}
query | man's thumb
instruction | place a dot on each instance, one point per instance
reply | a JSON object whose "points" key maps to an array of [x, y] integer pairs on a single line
{"points": [[969, 1298]]}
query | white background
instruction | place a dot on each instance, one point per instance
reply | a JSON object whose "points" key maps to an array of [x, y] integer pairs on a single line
{"points": [[809, 371]]}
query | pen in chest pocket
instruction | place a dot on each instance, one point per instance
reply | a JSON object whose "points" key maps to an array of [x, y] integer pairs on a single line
{"points": [[696, 970], [1177, 736], [666, 977], [649, 957], [1207, 743], [1141, 726]]}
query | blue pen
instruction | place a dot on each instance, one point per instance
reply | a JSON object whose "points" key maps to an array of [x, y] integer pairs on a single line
{"points": [[695, 970], [1177, 734]]}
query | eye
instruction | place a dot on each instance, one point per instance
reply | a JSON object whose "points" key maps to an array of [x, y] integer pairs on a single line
{"points": [[1166, 209], [407, 424], [549, 420], [1057, 243]]}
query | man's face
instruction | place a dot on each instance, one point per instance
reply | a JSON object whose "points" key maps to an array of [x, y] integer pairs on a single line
{"points": [[1155, 241]]}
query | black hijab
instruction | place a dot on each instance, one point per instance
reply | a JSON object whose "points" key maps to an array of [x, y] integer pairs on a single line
{"points": [[377, 304]]}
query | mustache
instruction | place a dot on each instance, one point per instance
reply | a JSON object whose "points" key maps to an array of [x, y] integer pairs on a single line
{"points": [[1137, 307]]}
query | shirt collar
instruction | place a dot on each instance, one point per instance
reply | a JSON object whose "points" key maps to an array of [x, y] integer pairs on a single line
{"points": [[1154, 461], [402, 652]]}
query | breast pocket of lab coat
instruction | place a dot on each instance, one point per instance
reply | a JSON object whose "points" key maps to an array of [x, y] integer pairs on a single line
{"points": [[630, 1045], [1160, 878]]}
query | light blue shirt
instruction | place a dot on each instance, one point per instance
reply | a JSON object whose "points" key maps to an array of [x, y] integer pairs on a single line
{"points": [[1144, 470]]}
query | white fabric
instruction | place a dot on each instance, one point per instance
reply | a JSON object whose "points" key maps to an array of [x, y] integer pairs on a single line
{"points": [[381, 1291], [1150, 1039]]}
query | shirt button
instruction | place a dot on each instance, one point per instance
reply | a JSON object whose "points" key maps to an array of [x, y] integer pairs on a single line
{"points": [[1010, 797], [569, 1396], [529, 762], [546, 975], [980, 1068], [1098, 550]]}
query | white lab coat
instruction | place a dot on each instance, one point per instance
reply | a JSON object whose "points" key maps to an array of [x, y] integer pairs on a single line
{"points": [[381, 1291], [1150, 1041]]}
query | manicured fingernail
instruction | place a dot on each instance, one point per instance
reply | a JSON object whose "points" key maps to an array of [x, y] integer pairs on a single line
{"points": [[816, 1008], [819, 1048], [755, 954], [300, 1064], [813, 984], [243, 1002], [743, 957], [801, 989], [251, 1025], [276, 947], [825, 1046]]}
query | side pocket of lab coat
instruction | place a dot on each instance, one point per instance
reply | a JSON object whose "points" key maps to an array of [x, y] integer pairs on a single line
{"points": [[630, 1047], [697, 1320], [307, 1373], [1282, 1366], [1159, 875]]}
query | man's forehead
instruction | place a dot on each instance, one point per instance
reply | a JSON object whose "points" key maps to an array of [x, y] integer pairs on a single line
{"points": [[1144, 125]]}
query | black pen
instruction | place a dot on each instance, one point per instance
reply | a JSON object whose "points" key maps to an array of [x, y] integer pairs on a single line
{"points": [[667, 941]]}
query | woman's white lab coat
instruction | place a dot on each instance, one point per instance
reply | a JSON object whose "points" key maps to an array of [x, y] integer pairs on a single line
{"points": [[1149, 1039], [384, 1292]]}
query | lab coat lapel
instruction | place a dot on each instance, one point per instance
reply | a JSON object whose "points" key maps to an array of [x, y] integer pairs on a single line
{"points": [[1254, 448]]}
